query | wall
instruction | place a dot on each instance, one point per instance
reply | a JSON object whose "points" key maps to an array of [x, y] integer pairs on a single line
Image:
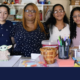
{"points": [[0, 1], [65, 3]]}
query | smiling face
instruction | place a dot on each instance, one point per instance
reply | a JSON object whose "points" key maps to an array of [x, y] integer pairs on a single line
{"points": [[76, 17], [30, 13], [58, 13], [3, 13]]}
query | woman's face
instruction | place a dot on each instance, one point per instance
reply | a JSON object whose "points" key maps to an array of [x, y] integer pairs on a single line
{"points": [[30, 13], [58, 13], [3, 13], [76, 17]]}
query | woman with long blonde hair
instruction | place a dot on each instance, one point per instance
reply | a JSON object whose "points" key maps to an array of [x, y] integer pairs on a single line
{"points": [[28, 34]]}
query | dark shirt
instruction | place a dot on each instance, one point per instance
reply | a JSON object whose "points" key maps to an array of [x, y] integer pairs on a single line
{"points": [[5, 29], [27, 42]]}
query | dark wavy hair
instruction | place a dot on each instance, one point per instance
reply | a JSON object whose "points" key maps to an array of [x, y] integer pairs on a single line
{"points": [[52, 21], [5, 7], [73, 25]]}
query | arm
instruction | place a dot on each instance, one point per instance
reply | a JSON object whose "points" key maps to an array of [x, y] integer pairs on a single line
{"points": [[12, 39], [13, 42]]}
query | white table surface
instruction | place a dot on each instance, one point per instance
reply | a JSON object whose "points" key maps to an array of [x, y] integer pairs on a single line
{"points": [[18, 59], [13, 61], [28, 58]]}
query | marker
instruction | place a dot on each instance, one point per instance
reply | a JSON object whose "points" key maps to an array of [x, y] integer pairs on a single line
{"points": [[64, 38], [58, 42]]}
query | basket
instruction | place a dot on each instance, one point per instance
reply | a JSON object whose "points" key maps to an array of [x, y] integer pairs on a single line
{"points": [[49, 54]]}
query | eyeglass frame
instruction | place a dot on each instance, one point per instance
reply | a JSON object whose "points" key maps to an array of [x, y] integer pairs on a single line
{"points": [[32, 11], [76, 16], [58, 11]]}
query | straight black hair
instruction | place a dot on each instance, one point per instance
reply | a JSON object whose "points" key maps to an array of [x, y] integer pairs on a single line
{"points": [[52, 21], [73, 25], [5, 7]]}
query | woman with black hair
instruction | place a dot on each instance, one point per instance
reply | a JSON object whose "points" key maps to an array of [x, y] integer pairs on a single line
{"points": [[58, 22], [5, 26], [75, 26]]}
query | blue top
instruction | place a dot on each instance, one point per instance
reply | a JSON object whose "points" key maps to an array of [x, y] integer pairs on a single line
{"points": [[27, 42], [5, 29]]}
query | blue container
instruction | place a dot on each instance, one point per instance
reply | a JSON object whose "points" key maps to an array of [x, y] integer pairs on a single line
{"points": [[42, 1]]}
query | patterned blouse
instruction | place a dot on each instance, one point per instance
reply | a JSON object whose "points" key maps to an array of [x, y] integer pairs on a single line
{"points": [[5, 29], [27, 42]]}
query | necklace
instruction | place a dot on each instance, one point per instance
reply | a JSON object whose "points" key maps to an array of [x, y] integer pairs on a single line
{"points": [[63, 27]]}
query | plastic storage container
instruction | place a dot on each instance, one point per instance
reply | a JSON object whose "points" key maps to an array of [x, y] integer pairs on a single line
{"points": [[42, 1], [63, 52], [47, 43], [76, 54]]}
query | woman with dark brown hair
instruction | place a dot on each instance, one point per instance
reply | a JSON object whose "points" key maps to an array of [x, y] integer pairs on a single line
{"points": [[28, 34]]}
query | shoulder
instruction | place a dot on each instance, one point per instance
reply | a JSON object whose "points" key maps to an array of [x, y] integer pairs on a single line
{"points": [[67, 25], [18, 24], [8, 22]]}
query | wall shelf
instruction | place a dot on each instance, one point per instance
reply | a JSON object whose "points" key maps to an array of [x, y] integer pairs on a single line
{"points": [[41, 7]]}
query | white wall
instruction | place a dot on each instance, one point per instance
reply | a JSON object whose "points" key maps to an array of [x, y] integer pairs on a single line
{"points": [[65, 3], [0, 1]]}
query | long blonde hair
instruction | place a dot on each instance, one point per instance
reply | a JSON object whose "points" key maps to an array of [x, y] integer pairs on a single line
{"points": [[37, 19]]}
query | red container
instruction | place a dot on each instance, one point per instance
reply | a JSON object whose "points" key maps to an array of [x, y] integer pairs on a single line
{"points": [[17, 1], [40, 13], [47, 43]]}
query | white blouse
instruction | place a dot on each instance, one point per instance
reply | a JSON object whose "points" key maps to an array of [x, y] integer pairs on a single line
{"points": [[65, 32]]}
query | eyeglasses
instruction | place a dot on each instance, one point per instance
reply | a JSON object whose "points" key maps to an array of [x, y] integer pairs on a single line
{"points": [[60, 11], [76, 16], [32, 11]]}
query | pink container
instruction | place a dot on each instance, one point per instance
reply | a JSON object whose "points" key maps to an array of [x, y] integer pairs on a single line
{"points": [[47, 43], [18, 1]]}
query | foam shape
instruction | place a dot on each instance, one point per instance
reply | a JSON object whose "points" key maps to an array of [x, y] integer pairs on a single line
{"points": [[65, 62], [76, 65]]}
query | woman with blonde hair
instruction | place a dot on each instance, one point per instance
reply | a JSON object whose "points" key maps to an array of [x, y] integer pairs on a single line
{"points": [[28, 34]]}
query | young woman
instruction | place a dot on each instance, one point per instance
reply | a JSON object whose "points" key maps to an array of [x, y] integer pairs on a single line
{"points": [[5, 26], [58, 23], [28, 34], [75, 27]]}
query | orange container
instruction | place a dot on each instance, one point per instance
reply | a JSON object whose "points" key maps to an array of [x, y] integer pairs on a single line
{"points": [[49, 54]]}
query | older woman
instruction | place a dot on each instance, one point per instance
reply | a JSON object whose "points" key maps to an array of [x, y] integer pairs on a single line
{"points": [[29, 33]]}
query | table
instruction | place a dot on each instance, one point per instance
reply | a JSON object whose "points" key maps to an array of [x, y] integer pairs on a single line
{"points": [[28, 58]]}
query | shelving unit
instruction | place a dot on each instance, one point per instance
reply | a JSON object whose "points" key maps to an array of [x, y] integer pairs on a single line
{"points": [[73, 6], [40, 7]]}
